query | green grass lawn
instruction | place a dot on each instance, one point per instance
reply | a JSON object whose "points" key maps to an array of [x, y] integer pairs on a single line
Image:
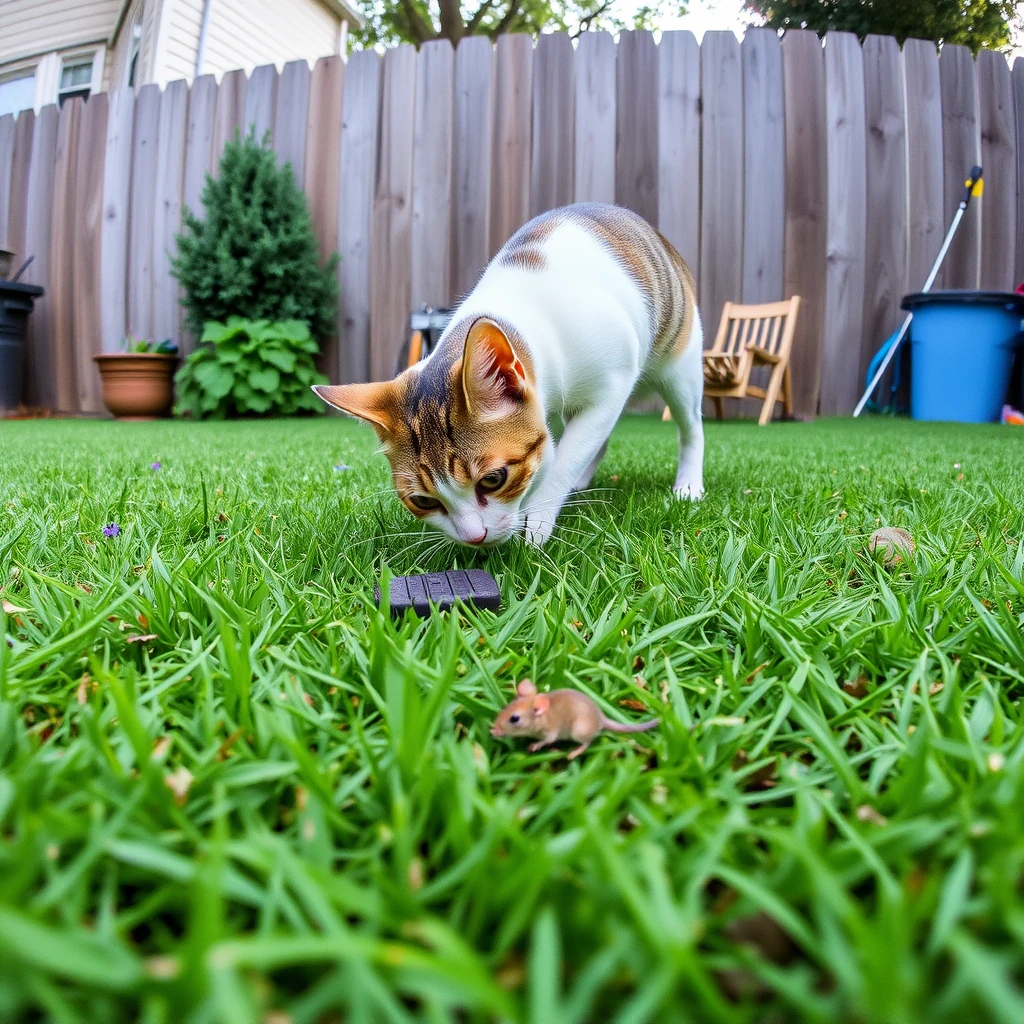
{"points": [[232, 791]]}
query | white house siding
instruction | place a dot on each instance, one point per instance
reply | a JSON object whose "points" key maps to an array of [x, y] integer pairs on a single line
{"points": [[247, 33], [33, 27]]}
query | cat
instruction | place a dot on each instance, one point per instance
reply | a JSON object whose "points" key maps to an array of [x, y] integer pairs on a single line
{"points": [[583, 307]]}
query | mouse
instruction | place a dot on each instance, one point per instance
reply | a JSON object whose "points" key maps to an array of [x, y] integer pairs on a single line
{"points": [[558, 715]]}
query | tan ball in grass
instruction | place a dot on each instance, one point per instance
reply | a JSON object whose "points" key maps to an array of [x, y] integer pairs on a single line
{"points": [[892, 544]]}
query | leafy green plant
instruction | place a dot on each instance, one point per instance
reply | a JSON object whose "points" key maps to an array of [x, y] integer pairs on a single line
{"points": [[137, 346], [254, 254], [250, 367]]}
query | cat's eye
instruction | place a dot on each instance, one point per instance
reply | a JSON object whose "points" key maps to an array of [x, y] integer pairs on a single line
{"points": [[493, 480], [424, 502]]}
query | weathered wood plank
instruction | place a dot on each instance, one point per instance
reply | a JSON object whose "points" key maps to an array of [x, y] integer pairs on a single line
{"points": [[846, 142], [806, 208], [40, 382], [23, 134], [764, 163], [595, 119], [117, 170], [554, 103], [886, 246], [361, 115], [961, 150], [721, 248], [142, 211], [323, 170], [1018, 96], [63, 244], [167, 311], [474, 89], [88, 297], [391, 245], [8, 132], [291, 112], [636, 135], [999, 160], [510, 162], [230, 114], [432, 175], [924, 147], [260, 102], [679, 144]]}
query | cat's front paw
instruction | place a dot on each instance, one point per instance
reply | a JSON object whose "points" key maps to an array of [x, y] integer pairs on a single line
{"points": [[537, 529], [689, 491]]}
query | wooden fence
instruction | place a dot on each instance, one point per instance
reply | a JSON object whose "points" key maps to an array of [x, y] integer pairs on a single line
{"points": [[829, 169]]}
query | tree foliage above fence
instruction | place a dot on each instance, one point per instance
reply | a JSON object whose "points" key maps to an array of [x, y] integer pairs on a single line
{"points": [[828, 168], [419, 21], [973, 23]]}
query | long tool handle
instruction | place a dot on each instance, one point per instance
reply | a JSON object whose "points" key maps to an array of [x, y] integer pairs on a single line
{"points": [[973, 186]]}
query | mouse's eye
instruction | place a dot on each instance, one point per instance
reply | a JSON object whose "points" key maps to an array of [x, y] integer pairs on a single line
{"points": [[514, 719], [424, 502], [494, 480]]}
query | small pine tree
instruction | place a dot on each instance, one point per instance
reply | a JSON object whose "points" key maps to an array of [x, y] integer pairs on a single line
{"points": [[255, 255]]}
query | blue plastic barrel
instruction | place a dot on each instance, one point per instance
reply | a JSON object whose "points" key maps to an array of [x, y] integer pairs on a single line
{"points": [[963, 344]]}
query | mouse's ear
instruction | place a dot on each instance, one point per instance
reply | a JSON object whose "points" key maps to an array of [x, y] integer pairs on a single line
{"points": [[541, 704], [526, 688]]}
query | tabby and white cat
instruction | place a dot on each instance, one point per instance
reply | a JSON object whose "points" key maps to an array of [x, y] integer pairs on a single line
{"points": [[582, 307]]}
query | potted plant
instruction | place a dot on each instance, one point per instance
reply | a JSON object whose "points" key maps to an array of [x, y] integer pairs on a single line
{"points": [[138, 383]]}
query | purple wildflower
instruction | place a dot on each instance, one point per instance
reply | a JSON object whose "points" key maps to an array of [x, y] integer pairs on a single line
{"points": [[111, 530], [155, 467], [341, 467]]}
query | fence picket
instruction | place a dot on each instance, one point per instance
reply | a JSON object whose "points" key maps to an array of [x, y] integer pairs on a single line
{"points": [[391, 225], [999, 160], [594, 150], [924, 148], [145, 158], [961, 150], [764, 163], [432, 175], [721, 235], [636, 135], [117, 168], [166, 322], [553, 108], [291, 111], [510, 162], [806, 208], [360, 116], [260, 101], [474, 89], [679, 144], [1018, 97], [847, 224], [40, 380]]}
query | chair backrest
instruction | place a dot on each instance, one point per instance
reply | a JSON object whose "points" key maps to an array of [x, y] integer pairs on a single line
{"points": [[769, 327]]}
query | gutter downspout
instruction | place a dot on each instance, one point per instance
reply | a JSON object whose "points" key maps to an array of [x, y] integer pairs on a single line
{"points": [[203, 31]]}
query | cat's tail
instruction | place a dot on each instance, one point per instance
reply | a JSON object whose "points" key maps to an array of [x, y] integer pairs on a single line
{"points": [[612, 726]]}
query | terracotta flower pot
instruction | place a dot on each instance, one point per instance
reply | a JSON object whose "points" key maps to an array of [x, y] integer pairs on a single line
{"points": [[138, 385]]}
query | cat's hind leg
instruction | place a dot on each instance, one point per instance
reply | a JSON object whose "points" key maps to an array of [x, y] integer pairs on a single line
{"points": [[681, 383]]}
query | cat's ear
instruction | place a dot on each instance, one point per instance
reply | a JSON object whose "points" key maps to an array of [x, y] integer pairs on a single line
{"points": [[493, 378], [374, 403]]}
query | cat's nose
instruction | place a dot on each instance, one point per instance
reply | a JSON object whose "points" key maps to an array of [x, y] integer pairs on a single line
{"points": [[478, 540]]}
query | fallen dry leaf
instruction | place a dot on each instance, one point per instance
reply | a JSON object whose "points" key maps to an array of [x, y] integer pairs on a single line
{"points": [[867, 813], [179, 783], [11, 609], [142, 620], [857, 688], [160, 747], [143, 638], [633, 705], [82, 693]]}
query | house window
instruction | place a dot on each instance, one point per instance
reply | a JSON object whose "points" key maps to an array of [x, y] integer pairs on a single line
{"points": [[132, 67], [75, 78], [18, 92]]}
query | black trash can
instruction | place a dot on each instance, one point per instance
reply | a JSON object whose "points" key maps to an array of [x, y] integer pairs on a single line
{"points": [[16, 302]]}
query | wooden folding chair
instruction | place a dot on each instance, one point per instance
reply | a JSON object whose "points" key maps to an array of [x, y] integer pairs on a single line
{"points": [[751, 336]]}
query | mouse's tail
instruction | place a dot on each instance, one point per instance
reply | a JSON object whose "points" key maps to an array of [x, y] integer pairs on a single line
{"points": [[612, 726]]}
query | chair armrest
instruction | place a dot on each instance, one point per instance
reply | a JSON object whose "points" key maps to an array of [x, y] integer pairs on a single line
{"points": [[761, 356]]}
